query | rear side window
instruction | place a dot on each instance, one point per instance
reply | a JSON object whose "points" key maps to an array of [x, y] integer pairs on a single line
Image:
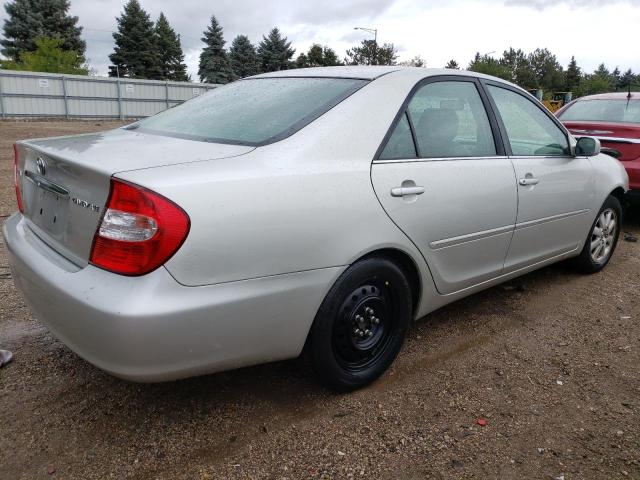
{"points": [[400, 144], [450, 121], [252, 112], [530, 131], [603, 111]]}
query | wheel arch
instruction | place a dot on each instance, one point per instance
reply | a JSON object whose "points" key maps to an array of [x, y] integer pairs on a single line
{"points": [[408, 266], [619, 193]]}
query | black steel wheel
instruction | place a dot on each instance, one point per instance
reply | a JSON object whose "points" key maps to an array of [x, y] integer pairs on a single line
{"points": [[360, 327]]}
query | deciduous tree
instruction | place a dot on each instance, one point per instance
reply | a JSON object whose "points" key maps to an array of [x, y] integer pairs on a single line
{"points": [[49, 56], [370, 53], [318, 56], [548, 72]]}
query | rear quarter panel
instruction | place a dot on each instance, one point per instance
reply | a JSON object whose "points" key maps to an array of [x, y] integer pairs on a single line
{"points": [[303, 203]]}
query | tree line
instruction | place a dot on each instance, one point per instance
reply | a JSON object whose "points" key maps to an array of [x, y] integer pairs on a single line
{"points": [[540, 69], [40, 35]]}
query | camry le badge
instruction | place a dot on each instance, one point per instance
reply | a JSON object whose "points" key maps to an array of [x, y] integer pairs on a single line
{"points": [[85, 204]]}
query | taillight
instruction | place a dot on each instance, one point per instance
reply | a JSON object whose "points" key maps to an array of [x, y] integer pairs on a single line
{"points": [[16, 178], [140, 230]]}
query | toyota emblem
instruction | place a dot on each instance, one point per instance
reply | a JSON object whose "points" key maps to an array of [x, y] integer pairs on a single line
{"points": [[41, 167]]}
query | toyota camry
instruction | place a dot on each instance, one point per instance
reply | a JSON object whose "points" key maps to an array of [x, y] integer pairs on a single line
{"points": [[314, 211]]}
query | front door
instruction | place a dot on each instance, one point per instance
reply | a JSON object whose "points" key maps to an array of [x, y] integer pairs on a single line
{"points": [[554, 187], [443, 179]]}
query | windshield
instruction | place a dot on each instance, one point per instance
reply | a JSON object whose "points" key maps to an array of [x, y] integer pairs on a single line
{"points": [[252, 112], [603, 111]]}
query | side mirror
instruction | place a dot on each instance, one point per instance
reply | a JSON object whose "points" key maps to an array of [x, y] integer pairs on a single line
{"points": [[588, 146]]}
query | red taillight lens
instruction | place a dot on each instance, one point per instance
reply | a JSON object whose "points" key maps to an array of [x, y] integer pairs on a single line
{"points": [[140, 230], [16, 178]]}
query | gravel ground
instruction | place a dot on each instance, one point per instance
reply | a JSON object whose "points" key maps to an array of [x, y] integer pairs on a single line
{"points": [[551, 362]]}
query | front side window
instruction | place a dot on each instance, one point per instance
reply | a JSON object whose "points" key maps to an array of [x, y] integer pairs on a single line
{"points": [[606, 110], [450, 121], [529, 130], [252, 112]]}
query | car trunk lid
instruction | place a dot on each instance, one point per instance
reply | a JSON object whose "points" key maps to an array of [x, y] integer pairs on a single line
{"points": [[65, 181]]}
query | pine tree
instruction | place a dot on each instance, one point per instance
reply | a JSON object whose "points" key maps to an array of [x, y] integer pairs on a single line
{"points": [[275, 52], [214, 62], [136, 52], [572, 76], [370, 53], [452, 64], [616, 78], [243, 57], [172, 66], [29, 20]]}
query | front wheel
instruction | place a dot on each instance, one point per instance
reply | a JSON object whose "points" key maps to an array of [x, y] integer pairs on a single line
{"points": [[603, 237], [361, 325]]}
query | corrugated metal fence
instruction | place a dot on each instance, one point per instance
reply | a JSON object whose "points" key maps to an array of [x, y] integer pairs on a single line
{"points": [[32, 94]]}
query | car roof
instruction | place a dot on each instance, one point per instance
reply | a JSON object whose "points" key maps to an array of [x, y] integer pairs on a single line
{"points": [[611, 96], [370, 72]]}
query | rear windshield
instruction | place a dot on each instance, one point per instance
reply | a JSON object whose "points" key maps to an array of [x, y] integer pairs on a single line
{"points": [[252, 112], [604, 111]]}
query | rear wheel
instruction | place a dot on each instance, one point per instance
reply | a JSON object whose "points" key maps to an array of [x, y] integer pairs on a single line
{"points": [[603, 237], [360, 326]]}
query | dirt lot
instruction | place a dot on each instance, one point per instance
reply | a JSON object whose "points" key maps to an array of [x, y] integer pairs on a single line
{"points": [[552, 362]]}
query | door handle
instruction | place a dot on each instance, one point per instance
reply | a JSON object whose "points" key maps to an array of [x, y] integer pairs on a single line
{"points": [[404, 191], [528, 181]]}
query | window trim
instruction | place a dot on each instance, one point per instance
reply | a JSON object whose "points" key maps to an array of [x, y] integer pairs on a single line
{"points": [[485, 83], [495, 127]]}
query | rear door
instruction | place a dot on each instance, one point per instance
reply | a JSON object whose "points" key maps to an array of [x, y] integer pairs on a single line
{"points": [[555, 189], [443, 178]]}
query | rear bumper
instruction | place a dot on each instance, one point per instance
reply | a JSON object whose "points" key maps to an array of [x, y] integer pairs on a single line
{"points": [[151, 328]]}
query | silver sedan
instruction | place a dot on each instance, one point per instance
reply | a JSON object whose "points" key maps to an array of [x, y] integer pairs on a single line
{"points": [[315, 210]]}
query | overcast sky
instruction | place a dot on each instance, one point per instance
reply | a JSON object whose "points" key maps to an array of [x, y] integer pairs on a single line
{"points": [[594, 31]]}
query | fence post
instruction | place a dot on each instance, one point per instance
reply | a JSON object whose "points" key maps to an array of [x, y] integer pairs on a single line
{"points": [[120, 113], [2, 112], [64, 92], [166, 93]]}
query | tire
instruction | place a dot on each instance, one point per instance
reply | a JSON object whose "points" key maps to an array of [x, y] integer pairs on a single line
{"points": [[604, 235], [361, 324]]}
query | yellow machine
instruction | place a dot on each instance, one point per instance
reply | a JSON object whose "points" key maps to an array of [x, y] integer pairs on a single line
{"points": [[557, 100]]}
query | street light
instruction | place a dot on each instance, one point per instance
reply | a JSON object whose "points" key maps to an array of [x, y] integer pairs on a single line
{"points": [[369, 30]]}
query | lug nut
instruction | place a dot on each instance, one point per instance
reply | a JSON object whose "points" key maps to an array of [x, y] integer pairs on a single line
{"points": [[368, 333], [369, 311], [357, 331], [375, 320], [359, 318]]}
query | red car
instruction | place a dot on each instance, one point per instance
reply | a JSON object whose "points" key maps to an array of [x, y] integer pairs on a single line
{"points": [[613, 118]]}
